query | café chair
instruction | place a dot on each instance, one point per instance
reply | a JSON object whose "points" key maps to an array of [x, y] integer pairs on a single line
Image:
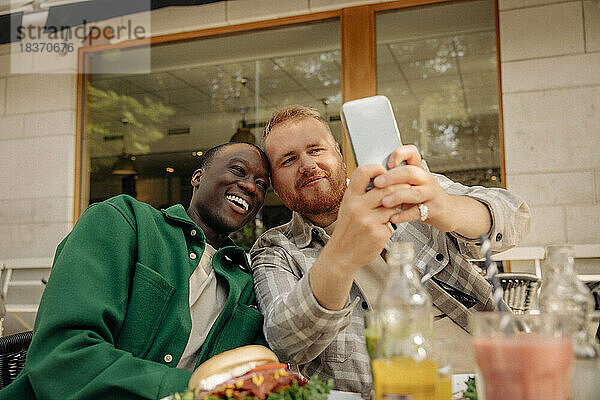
{"points": [[13, 350], [520, 290]]}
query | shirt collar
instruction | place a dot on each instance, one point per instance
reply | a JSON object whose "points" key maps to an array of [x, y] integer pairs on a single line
{"points": [[303, 231], [179, 214]]}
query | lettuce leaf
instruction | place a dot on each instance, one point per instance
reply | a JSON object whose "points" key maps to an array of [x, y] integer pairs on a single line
{"points": [[315, 389]]}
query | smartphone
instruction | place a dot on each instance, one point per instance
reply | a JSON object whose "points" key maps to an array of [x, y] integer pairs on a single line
{"points": [[372, 129]]}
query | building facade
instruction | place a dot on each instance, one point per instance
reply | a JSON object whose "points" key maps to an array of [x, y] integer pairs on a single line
{"points": [[549, 111]]}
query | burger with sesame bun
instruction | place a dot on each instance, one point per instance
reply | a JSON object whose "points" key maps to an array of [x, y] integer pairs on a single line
{"points": [[251, 372]]}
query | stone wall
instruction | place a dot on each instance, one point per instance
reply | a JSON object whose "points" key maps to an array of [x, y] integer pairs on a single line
{"points": [[550, 53]]}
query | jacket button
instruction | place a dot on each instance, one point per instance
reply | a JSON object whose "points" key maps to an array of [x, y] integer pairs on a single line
{"points": [[364, 305], [193, 256], [498, 237], [193, 232], [168, 358], [439, 256]]}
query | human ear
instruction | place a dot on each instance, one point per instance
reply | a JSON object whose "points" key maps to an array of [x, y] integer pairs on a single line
{"points": [[337, 147], [196, 177]]}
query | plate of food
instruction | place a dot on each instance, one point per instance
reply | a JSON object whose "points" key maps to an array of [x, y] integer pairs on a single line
{"points": [[252, 372]]}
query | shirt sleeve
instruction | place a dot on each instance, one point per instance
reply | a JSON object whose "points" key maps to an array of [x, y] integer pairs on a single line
{"points": [[296, 326], [73, 353], [510, 217]]}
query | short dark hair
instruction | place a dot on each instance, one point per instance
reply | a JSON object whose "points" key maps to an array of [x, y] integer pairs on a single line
{"points": [[209, 154], [291, 114]]}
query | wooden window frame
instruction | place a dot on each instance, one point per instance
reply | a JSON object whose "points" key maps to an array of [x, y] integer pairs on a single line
{"points": [[358, 72]]}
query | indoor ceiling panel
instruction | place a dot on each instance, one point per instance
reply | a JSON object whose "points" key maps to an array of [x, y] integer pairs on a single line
{"points": [[405, 112], [329, 95], [136, 91], [234, 104], [157, 81], [475, 64], [482, 103], [197, 76], [207, 79], [252, 70], [313, 70], [183, 111], [287, 98], [209, 106], [432, 67], [322, 79], [491, 89], [481, 79], [439, 84], [418, 50], [219, 87], [389, 72], [277, 84], [218, 106], [384, 55], [476, 44], [402, 101], [320, 60], [184, 96], [143, 97], [115, 84], [397, 88]]}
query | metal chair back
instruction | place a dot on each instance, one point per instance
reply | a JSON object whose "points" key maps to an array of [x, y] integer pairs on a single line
{"points": [[520, 290], [13, 351]]}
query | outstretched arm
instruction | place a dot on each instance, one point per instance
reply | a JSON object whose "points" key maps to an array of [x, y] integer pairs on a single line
{"points": [[466, 212]]}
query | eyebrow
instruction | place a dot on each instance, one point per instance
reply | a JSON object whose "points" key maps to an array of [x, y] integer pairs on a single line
{"points": [[289, 153], [240, 160], [247, 164]]}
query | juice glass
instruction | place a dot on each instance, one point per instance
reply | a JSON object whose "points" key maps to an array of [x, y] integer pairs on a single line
{"points": [[403, 378], [442, 350], [525, 357]]}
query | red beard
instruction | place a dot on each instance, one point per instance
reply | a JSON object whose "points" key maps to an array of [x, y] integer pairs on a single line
{"points": [[318, 200]]}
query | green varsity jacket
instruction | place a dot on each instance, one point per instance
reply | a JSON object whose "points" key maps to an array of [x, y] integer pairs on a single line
{"points": [[114, 318]]}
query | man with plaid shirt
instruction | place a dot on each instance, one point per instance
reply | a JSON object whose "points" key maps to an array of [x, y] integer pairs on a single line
{"points": [[315, 275]]}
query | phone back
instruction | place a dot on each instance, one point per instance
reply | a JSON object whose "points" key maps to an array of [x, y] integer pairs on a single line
{"points": [[372, 129]]}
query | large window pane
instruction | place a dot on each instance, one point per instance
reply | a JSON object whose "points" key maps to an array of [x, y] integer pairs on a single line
{"points": [[145, 131], [438, 66]]}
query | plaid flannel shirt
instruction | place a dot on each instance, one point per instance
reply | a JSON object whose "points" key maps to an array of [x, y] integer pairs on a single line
{"points": [[331, 343]]}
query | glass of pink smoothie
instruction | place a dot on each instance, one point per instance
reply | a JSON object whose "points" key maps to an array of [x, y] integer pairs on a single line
{"points": [[522, 357]]}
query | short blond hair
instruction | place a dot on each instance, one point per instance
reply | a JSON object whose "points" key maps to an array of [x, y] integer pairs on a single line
{"points": [[293, 113]]}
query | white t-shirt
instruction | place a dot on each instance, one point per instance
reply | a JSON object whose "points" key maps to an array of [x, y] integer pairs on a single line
{"points": [[207, 299]]}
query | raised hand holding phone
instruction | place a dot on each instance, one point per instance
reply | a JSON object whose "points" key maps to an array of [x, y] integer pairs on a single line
{"points": [[375, 139], [373, 131]]}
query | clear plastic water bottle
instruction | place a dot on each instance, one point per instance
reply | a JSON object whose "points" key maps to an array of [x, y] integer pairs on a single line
{"points": [[562, 293], [402, 366]]}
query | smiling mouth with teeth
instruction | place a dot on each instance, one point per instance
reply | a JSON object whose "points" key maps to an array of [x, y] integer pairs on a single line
{"points": [[238, 201]]}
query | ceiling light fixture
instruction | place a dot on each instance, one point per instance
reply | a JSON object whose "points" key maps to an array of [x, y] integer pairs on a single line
{"points": [[243, 134], [124, 165]]}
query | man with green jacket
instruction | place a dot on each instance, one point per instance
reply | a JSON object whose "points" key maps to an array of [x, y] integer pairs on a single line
{"points": [[138, 297]]}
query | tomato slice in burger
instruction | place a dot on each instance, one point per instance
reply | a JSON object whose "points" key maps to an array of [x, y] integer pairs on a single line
{"points": [[268, 367]]}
